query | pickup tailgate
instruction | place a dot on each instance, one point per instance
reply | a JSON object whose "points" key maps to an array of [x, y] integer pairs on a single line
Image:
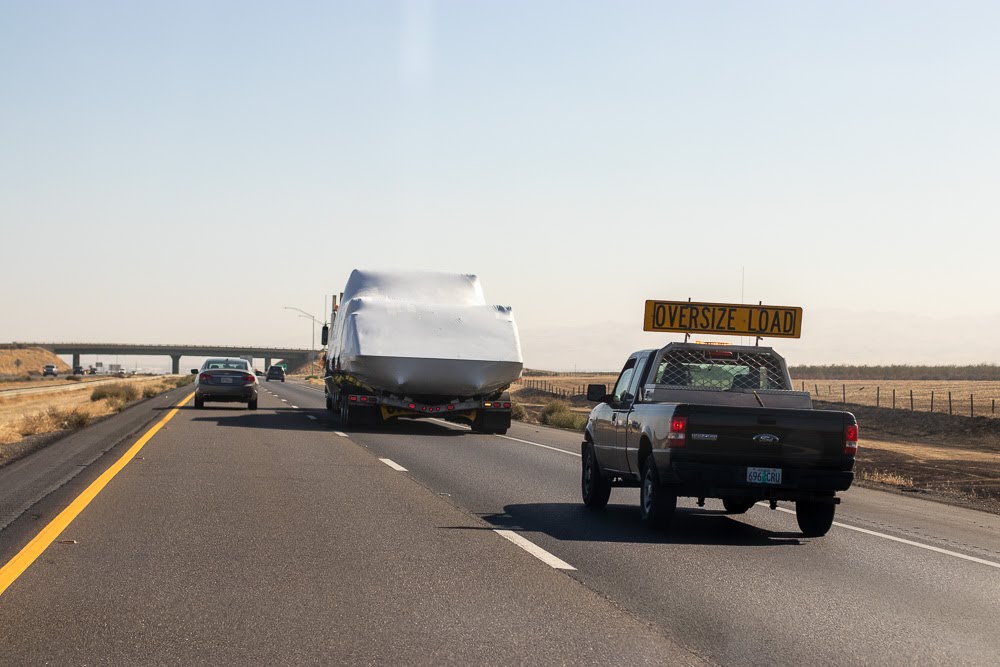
{"points": [[765, 437]]}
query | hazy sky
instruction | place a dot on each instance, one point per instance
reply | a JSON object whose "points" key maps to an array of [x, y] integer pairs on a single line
{"points": [[181, 171]]}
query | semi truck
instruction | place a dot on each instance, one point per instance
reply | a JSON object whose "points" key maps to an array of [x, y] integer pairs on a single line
{"points": [[420, 344]]}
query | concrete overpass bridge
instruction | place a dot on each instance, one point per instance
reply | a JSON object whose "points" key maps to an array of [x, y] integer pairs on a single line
{"points": [[292, 356]]}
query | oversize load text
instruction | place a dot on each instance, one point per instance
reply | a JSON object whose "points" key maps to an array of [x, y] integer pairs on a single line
{"points": [[721, 318]]}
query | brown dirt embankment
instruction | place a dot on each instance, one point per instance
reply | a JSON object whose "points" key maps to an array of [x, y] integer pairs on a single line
{"points": [[33, 359]]}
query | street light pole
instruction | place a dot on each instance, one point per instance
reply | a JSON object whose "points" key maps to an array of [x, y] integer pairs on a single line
{"points": [[311, 317]]}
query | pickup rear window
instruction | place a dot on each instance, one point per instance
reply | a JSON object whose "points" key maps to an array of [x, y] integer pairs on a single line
{"points": [[719, 369]]}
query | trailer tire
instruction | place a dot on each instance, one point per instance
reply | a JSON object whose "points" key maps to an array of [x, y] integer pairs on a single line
{"points": [[737, 505], [656, 502], [594, 487], [329, 403], [814, 518]]}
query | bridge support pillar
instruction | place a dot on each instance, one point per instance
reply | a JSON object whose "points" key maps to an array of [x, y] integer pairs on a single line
{"points": [[76, 360], [175, 364], [267, 363]]}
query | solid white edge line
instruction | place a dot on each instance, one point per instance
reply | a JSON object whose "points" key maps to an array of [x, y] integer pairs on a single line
{"points": [[340, 433], [901, 540], [312, 417], [535, 550], [294, 406], [392, 464], [536, 444]]}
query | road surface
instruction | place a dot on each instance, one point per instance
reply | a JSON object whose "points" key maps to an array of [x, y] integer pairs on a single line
{"points": [[278, 537]]}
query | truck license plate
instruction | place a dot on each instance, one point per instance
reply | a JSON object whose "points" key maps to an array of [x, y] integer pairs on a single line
{"points": [[764, 475]]}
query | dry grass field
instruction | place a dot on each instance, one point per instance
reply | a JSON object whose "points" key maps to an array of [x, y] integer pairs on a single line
{"points": [[968, 397], [25, 416]]}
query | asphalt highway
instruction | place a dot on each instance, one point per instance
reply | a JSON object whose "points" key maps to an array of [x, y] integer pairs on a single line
{"points": [[278, 537]]}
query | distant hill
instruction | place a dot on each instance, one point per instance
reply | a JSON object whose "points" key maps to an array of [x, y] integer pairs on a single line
{"points": [[896, 372], [32, 360]]}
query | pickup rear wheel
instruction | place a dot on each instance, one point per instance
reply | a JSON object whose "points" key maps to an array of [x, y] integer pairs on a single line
{"points": [[814, 518], [656, 503], [736, 505], [595, 488]]}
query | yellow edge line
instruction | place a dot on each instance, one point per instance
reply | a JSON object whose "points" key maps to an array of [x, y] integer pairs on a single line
{"points": [[31, 551]]}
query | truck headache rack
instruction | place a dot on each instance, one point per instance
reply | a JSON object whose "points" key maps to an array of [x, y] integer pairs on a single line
{"points": [[707, 367]]}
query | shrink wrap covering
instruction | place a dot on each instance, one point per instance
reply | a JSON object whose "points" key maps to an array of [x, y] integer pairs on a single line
{"points": [[425, 334]]}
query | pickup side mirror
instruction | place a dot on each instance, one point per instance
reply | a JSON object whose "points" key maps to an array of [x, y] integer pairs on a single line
{"points": [[194, 371], [325, 336], [598, 393]]}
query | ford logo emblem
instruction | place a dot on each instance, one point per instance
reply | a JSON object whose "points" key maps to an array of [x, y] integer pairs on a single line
{"points": [[766, 439]]}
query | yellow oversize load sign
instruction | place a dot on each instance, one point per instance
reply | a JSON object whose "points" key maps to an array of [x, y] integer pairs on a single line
{"points": [[723, 318]]}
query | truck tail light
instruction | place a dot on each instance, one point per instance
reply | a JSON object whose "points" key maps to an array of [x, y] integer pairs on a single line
{"points": [[677, 437], [851, 440]]}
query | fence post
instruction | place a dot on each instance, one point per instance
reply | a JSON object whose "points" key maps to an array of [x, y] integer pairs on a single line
{"points": [[949, 402], [803, 385], [932, 400], [972, 405], [843, 392], [816, 387], [878, 395], [993, 407], [894, 399], [911, 400]]}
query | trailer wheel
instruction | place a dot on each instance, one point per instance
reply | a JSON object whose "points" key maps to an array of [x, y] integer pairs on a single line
{"points": [[329, 403], [656, 503], [736, 505], [814, 518], [594, 487]]}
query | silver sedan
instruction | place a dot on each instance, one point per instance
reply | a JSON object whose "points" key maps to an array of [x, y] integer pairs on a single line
{"points": [[226, 381]]}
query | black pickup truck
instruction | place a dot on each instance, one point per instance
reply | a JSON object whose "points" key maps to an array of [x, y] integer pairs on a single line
{"points": [[710, 421]]}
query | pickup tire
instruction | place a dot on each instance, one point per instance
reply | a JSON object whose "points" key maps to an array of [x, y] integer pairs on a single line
{"points": [[814, 518], [736, 505], [656, 503], [594, 487]]}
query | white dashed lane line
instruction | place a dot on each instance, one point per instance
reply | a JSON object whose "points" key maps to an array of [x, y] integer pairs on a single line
{"points": [[535, 550], [342, 435], [392, 464], [312, 417]]}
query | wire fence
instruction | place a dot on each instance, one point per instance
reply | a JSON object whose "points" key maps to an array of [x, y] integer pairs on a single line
{"points": [[915, 399], [562, 390], [959, 398]]}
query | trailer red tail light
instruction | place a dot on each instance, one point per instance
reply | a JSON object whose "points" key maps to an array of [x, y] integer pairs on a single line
{"points": [[677, 437], [851, 440], [412, 406], [451, 407], [506, 405], [353, 399]]}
